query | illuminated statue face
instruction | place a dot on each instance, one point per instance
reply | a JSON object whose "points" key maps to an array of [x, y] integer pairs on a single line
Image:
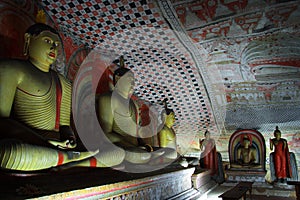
{"points": [[170, 119], [246, 143], [43, 49], [277, 135], [125, 84], [207, 135]]}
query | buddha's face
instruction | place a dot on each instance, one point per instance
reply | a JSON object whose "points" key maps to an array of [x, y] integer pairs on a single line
{"points": [[170, 119], [246, 143], [125, 84], [43, 48], [207, 135], [277, 135]]}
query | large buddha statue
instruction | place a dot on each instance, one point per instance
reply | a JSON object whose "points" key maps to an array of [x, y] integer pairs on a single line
{"points": [[35, 109], [119, 118], [34, 94]]}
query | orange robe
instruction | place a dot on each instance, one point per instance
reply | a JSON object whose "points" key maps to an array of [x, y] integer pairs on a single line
{"points": [[282, 159], [209, 156]]}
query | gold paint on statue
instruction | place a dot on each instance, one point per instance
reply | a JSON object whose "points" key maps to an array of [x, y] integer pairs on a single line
{"points": [[118, 117], [35, 106]]}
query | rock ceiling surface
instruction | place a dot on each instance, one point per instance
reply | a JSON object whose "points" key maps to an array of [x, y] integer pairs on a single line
{"points": [[222, 64]]}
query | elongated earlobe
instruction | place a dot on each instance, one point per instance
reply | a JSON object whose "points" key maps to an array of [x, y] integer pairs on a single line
{"points": [[26, 44]]}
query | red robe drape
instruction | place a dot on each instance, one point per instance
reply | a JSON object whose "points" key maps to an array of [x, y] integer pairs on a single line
{"points": [[282, 159], [209, 156]]}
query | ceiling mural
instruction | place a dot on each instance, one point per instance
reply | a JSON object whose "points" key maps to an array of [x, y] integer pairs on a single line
{"points": [[223, 65], [163, 66]]}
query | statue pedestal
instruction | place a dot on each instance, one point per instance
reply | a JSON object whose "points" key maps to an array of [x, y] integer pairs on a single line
{"points": [[202, 180], [245, 175], [98, 184]]}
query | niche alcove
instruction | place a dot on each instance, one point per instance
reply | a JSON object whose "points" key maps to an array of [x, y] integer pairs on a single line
{"points": [[254, 170]]}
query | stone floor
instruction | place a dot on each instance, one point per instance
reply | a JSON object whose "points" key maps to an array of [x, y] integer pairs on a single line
{"points": [[259, 191]]}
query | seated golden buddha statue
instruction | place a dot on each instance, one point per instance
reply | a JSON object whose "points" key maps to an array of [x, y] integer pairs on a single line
{"points": [[246, 155], [35, 108], [34, 94], [167, 138], [118, 118]]}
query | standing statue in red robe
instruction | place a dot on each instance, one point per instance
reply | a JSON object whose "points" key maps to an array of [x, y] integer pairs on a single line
{"points": [[209, 159], [281, 157]]}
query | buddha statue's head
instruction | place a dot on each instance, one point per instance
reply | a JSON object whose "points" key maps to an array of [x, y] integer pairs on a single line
{"points": [[169, 115], [246, 143], [41, 45], [123, 79], [207, 134], [277, 133]]}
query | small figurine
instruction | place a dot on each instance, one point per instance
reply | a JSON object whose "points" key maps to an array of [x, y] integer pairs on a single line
{"points": [[246, 154]]}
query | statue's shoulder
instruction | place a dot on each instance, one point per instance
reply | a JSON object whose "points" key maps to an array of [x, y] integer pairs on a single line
{"points": [[273, 139], [253, 149], [14, 66], [105, 96], [12, 63], [165, 129], [283, 139]]}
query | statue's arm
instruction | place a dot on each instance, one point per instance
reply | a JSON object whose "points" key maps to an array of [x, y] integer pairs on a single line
{"points": [[163, 138], [239, 152], [284, 144], [9, 81], [271, 144], [253, 156], [201, 144], [65, 109], [105, 114]]}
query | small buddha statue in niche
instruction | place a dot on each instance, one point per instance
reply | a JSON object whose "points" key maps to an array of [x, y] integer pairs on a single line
{"points": [[246, 154]]}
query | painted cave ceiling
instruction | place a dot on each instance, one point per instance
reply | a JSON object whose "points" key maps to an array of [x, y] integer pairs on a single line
{"points": [[223, 65]]}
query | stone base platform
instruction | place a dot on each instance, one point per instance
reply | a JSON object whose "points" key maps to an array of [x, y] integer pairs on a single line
{"points": [[98, 183], [202, 180], [266, 189], [243, 175]]}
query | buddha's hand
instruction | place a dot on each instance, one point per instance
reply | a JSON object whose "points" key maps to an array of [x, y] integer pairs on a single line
{"points": [[77, 156], [145, 132], [67, 144], [67, 138]]}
